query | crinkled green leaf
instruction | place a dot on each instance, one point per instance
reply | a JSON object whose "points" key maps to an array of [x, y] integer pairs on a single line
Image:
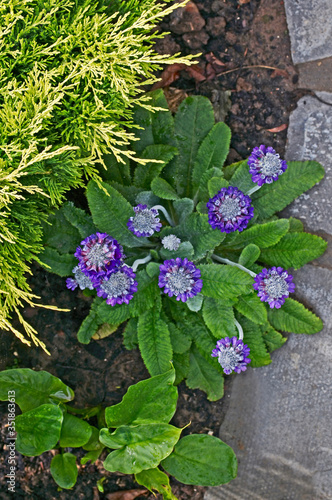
{"points": [[195, 303], [224, 282], [151, 400], [249, 255], [75, 432], [60, 234], [294, 250], [183, 208], [262, 235], [163, 189], [88, 327], [116, 171], [202, 375], [254, 339], [147, 291], [215, 184], [64, 470], [202, 192], [144, 174], [185, 250], [295, 318], [218, 315], [60, 264], [181, 365], [273, 339], [180, 339], [130, 340], [252, 307], [79, 219], [138, 447], [192, 123], [203, 460], [112, 314], [38, 430], [241, 177], [295, 225], [33, 389]]}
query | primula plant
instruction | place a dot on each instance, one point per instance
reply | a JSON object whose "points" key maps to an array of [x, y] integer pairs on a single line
{"points": [[188, 252], [135, 433], [71, 71]]}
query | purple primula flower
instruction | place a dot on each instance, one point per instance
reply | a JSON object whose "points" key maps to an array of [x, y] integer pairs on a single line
{"points": [[145, 221], [265, 165], [274, 286], [100, 254], [80, 280], [232, 355], [180, 278], [118, 286], [230, 210]]}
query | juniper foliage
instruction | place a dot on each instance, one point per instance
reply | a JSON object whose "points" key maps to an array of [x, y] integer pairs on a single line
{"points": [[70, 73]]}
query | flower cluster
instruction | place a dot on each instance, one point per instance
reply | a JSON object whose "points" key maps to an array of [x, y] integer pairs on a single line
{"points": [[274, 286], [265, 165], [180, 278], [230, 210], [101, 266], [145, 221], [232, 355]]}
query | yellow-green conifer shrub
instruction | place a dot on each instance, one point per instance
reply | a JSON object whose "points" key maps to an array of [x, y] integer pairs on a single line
{"points": [[70, 73]]}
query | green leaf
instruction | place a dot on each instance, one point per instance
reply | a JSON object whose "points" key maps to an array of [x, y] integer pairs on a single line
{"points": [[202, 460], [92, 456], [147, 291], [242, 178], [202, 192], [215, 184], [180, 340], [38, 430], [253, 338], [229, 170], [130, 193], [152, 269], [130, 340], [138, 447], [198, 231], [75, 432], [253, 308], [212, 152], [144, 174], [60, 264], [294, 250], [111, 212], [183, 208], [78, 219], [273, 339], [262, 235], [181, 365], [157, 126], [33, 389], [116, 171], [156, 480], [298, 178], [295, 318], [154, 342], [113, 315], [60, 234], [192, 123], [202, 375], [195, 303], [88, 327], [93, 443], [295, 225], [185, 250], [151, 400], [224, 282], [249, 255], [219, 317], [64, 470], [163, 189]]}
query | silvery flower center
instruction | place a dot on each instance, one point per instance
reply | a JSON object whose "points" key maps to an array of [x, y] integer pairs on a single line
{"points": [[144, 221], [178, 282], [96, 254], [82, 280], [230, 208], [228, 358], [269, 164], [118, 284], [171, 242], [276, 286]]}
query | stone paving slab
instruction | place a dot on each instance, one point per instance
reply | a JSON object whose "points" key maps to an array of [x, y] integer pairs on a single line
{"points": [[310, 138], [310, 29], [279, 419], [316, 75]]}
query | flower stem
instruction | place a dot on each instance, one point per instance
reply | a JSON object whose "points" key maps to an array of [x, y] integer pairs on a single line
{"points": [[230, 263], [253, 190], [239, 327], [166, 214], [140, 261]]}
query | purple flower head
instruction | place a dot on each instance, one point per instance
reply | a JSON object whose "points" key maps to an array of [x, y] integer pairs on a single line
{"points": [[230, 210], [80, 280], [145, 221], [274, 286], [265, 165], [180, 278], [232, 355], [100, 253], [118, 286]]}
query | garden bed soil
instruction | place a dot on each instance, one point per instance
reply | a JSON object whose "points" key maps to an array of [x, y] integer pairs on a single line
{"points": [[230, 35]]}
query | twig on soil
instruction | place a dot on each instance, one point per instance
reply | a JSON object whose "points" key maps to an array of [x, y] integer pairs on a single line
{"points": [[246, 67]]}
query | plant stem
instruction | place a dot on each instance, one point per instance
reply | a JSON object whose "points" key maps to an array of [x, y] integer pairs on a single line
{"points": [[166, 214], [239, 327], [230, 263], [253, 190], [141, 261]]}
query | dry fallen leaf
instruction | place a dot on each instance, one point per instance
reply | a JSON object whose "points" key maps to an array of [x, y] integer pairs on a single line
{"points": [[280, 72], [277, 129], [242, 2], [174, 97], [126, 495]]}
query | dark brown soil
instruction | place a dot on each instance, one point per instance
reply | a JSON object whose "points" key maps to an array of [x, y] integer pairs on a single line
{"points": [[231, 35]]}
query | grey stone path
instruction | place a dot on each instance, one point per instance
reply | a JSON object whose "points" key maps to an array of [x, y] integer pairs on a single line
{"points": [[279, 422]]}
